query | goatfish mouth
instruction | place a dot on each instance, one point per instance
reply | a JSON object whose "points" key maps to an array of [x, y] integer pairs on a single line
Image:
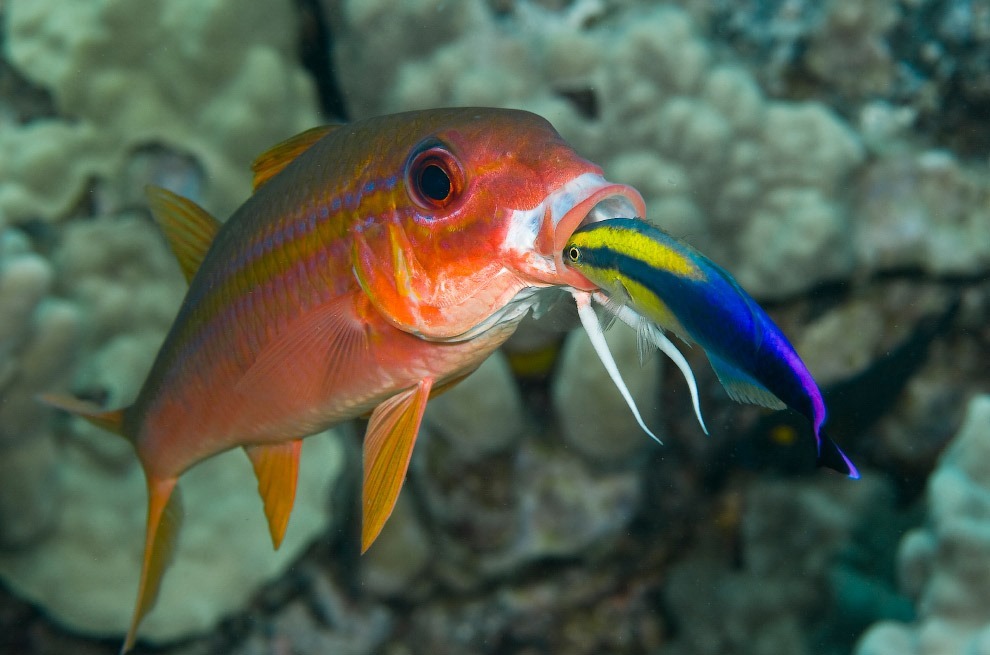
{"points": [[536, 237], [534, 241]]}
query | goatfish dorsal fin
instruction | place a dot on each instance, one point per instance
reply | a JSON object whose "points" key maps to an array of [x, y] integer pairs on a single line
{"points": [[188, 228], [271, 162]]}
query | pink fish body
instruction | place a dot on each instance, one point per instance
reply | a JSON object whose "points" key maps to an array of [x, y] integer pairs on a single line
{"points": [[375, 264]]}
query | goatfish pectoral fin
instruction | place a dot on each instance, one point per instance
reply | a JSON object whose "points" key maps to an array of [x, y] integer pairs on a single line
{"points": [[334, 334], [741, 387], [652, 334], [277, 469], [594, 329], [188, 228], [388, 445]]}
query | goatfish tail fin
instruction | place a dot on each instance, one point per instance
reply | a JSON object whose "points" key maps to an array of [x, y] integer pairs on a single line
{"points": [[164, 508], [161, 535], [109, 420]]}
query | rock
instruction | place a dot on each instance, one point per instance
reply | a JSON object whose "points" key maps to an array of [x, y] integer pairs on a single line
{"points": [[39, 338], [102, 63], [400, 554]]}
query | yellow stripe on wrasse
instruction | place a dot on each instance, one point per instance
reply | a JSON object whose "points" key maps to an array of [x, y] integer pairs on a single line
{"points": [[638, 246], [620, 287]]}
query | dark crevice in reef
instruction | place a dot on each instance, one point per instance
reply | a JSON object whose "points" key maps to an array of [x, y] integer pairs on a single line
{"points": [[316, 53], [833, 292]]}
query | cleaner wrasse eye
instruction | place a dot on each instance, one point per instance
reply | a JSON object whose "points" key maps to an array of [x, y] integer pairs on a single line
{"points": [[653, 281], [376, 264]]}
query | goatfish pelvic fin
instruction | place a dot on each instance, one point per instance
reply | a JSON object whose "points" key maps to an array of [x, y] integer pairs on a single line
{"points": [[388, 447]]}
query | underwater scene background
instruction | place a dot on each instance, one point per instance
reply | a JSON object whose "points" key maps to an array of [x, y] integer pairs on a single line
{"points": [[833, 155]]}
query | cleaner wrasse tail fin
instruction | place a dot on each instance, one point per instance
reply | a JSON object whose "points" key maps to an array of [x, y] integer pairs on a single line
{"points": [[831, 456], [109, 420]]}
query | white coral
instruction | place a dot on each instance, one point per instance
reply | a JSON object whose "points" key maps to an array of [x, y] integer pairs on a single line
{"points": [[215, 79], [38, 342], [948, 562]]}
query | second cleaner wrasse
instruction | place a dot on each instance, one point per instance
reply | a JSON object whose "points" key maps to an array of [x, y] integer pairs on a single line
{"points": [[648, 278]]}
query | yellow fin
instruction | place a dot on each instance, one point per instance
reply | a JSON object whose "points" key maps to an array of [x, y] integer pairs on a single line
{"points": [[277, 468], [188, 227], [110, 420], [388, 446], [271, 162], [164, 521]]}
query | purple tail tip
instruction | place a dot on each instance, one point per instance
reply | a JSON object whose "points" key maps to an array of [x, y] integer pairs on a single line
{"points": [[832, 457]]}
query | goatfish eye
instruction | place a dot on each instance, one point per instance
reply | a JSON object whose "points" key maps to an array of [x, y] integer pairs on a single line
{"points": [[434, 176], [574, 254]]}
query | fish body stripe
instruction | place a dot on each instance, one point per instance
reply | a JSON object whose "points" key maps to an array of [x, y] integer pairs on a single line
{"points": [[652, 248], [292, 265]]}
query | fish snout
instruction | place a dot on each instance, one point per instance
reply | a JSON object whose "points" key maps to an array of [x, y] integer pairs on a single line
{"points": [[538, 238]]}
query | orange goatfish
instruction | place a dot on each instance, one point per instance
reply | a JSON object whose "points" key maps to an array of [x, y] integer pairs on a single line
{"points": [[376, 264]]}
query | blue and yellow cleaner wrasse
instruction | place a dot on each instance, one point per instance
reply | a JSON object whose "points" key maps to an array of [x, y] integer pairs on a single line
{"points": [[648, 279]]}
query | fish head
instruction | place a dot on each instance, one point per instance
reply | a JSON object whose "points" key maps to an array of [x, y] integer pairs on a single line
{"points": [[484, 204]]}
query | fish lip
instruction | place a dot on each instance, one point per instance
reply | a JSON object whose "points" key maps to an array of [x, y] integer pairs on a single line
{"points": [[594, 199], [534, 241]]}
